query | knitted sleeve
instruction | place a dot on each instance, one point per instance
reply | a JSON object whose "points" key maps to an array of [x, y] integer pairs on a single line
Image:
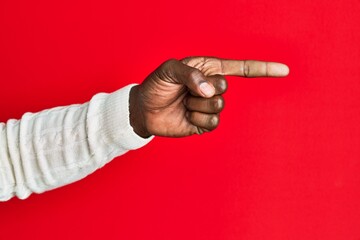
{"points": [[55, 147]]}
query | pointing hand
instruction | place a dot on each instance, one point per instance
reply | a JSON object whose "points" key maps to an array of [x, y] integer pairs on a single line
{"points": [[181, 98]]}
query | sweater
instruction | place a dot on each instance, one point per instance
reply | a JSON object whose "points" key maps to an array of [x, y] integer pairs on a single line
{"points": [[55, 147]]}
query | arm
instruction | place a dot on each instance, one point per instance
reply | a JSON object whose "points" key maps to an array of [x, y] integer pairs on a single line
{"points": [[55, 147], [58, 146]]}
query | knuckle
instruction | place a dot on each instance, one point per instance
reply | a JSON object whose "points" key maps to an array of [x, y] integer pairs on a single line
{"points": [[222, 85], [213, 122], [218, 103], [167, 68], [168, 64], [246, 69], [171, 61]]}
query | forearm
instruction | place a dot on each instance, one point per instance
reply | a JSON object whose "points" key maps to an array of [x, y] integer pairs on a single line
{"points": [[52, 148]]}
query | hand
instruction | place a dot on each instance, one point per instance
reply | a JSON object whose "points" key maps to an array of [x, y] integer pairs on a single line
{"points": [[181, 98]]}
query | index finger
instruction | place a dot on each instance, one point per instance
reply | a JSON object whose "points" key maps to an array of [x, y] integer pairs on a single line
{"points": [[242, 68]]}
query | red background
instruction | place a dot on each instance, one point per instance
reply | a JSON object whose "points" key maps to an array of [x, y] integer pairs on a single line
{"points": [[284, 163]]}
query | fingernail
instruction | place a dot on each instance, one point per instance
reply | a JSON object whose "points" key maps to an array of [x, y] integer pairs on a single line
{"points": [[207, 89]]}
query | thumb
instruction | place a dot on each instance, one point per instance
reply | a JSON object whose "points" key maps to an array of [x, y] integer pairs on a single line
{"points": [[191, 77]]}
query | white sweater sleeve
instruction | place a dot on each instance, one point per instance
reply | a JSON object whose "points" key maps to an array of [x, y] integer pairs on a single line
{"points": [[55, 147]]}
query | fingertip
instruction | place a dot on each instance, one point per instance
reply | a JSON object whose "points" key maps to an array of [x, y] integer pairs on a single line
{"points": [[285, 70], [280, 70]]}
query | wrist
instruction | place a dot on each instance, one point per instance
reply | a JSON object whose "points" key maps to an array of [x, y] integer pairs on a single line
{"points": [[137, 120]]}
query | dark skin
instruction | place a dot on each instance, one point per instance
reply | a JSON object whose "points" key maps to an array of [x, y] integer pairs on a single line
{"points": [[181, 98]]}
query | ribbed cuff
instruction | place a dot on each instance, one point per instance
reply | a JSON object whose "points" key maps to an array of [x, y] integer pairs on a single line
{"points": [[116, 121]]}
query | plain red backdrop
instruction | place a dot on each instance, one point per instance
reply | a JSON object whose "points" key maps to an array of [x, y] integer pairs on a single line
{"points": [[284, 163]]}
